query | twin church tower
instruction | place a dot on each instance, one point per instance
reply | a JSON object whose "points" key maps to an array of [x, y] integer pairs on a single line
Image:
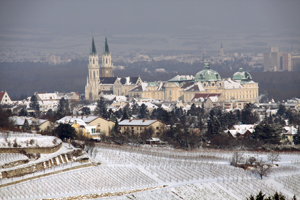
{"points": [[92, 87]]}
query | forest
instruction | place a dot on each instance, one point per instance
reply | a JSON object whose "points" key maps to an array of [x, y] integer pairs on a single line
{"points": [[23, 79]]}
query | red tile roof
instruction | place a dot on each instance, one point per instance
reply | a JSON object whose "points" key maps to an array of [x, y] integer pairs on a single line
{"points": [[1, 95]]}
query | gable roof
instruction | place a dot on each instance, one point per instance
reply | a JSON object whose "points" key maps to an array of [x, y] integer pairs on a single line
{"points": [[87, 118], [129, 80], [1, 95]]}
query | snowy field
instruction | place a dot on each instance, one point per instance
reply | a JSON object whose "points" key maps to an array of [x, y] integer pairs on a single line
{"points": [[21, 140], [202, 174]]}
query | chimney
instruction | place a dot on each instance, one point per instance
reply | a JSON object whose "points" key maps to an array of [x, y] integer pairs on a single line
{"points": [[144, 120]]}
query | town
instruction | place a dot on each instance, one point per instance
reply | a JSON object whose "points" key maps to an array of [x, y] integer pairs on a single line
{"points": [[187, 123]]}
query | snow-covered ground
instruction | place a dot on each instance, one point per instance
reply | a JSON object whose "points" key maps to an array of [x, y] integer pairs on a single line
{"points": [[21, 140], [203, 174]]}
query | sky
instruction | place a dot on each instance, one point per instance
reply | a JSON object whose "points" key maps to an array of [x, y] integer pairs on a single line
{"points": [[133, 24]]}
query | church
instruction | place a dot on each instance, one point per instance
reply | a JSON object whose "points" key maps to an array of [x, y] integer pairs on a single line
{"points": [[206, 84], [103, 82]]}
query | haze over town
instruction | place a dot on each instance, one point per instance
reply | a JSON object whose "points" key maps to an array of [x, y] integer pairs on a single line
{"points": [[146, 100]]}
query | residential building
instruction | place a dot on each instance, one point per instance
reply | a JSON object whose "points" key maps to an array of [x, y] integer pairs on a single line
{"points": [[34, 123], [4, 98], [136, 126], [102, 126]]}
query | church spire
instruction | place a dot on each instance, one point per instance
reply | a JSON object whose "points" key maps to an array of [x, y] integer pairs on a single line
{"points": [[106, 48], [93, 50]]}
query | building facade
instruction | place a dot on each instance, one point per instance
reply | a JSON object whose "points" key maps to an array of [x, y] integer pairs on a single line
{"points": [[240, 87], [105, 83]]}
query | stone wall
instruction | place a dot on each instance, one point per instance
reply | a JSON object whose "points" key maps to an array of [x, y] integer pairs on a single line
{"points": [[44, 150]]}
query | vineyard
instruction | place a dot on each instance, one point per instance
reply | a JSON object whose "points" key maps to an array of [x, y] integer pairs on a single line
{"points": [[174, 174]]}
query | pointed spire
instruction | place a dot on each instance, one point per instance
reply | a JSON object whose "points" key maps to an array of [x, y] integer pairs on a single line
{"points": [[106, 48], [93, 50], [221, 45]]}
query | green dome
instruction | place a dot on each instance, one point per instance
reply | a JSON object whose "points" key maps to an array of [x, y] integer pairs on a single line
{"points": [[207, 74], [241, 75]]}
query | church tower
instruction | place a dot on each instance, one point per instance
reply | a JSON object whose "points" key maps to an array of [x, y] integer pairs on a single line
{"points": [[106, 67], [93, 78], [221, 51]]}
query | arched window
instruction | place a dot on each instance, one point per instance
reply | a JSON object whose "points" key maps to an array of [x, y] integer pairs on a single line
{"points": [[94, 75], [106, 60], [93, 60]]}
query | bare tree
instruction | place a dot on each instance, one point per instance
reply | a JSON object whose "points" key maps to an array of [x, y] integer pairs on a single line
{"points": [[273, 156], [237, 158], [262, 169], [251, 160]]}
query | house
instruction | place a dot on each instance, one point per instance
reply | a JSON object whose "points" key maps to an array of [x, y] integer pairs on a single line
{"points": [[34, 123], [244, 130], [290, 132], [44, 96], [4, 98], [136, 126], [80, 126], [102, 126]]}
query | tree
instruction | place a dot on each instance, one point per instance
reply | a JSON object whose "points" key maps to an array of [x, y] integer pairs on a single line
{"points": [[63, 108], [26, 125], [274, 156], [248, 116], [23, 112], [5, 121], [281, 110], [34, 103], [144, 112], [262, 169], [276, 196], [146, 135], [266, 133], [65, 131], [85, 111], [237, 158], [101, 108], [126, 113]]}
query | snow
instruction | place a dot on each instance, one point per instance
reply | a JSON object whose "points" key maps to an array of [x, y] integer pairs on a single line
{"points": [[31, 120], [23, 140], [136, 122], [198, 174], [230, 84]]}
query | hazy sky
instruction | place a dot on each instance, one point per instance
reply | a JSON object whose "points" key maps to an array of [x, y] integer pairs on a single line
{"points": [[132, 17]]}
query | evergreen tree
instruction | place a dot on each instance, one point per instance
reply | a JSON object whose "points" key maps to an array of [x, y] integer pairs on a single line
{"points": [[266, 133], [126, 114], [63, 108], [101, 108], [23, 112], [34, 103], [5, 121], [144, 112], [281, 110], [248, 116], [26, 125], [65, 131], [213, 124], [85, 111]]}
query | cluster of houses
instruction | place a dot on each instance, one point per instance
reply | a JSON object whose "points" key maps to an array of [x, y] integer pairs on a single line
{"points": [[94, 126]]}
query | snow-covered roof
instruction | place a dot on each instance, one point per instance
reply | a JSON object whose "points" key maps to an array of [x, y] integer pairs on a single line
{"points": [[241, 129], [230, 84], [87, 118], [19, 120], [290, 130], [136, 122]]}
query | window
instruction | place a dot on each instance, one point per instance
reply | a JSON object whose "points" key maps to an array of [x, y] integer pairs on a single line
{"points": [[98, 124], [93, 130], [132, 128], [157, 128], [93, 60]]}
